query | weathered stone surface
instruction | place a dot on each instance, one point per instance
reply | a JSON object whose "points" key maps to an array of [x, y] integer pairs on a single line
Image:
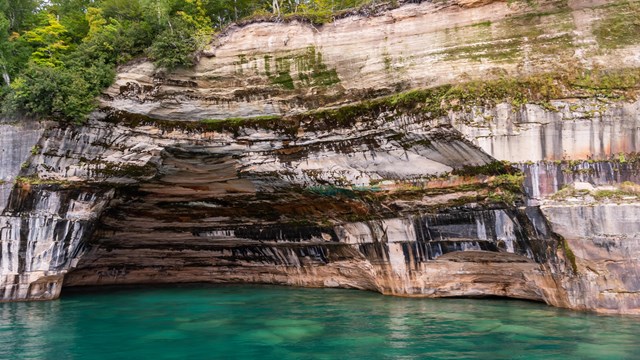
{"points": [[470, 253], [545, 178], [605, 242], [182, 186], [283, 68], [239, 207], [393, 200], [580, 129], [17, 141], [43, 233], [235, 206]]}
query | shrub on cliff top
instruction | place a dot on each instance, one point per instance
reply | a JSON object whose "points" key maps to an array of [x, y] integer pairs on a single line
{"points": [[176, 46], [44, 91], [57, 55]]}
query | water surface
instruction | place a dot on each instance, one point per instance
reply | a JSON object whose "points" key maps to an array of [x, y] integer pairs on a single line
{"points": [[260, 322]]}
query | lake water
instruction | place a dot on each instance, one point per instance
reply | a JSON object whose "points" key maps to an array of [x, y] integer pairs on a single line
{"points": [[261, 322]]}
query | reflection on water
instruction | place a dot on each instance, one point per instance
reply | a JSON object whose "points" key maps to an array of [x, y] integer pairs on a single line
{"points": [[243, 322]]}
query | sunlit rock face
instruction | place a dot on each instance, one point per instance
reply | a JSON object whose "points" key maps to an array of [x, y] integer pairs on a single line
{"points": [[285, 68], [367, 206], [578, 129], [386, 198], [172, 190], [545, 178], [469, 253]]}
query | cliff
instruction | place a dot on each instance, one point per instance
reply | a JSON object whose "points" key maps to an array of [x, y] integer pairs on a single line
{"points": [[422, 151]]}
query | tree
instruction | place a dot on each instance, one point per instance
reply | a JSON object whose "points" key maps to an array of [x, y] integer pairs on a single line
{"points": [[222, 12], [175, 46], [48, 92], [71, 14], [50, 40], [187, 31], [14, 52], [4, 45], [20, 13], [131, 10], [113, 41]]}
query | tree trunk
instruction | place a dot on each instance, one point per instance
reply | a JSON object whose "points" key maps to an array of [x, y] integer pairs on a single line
{"points": [[276, 7], [5, 76]]}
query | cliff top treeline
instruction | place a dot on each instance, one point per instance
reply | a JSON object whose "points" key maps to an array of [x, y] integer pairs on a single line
{"points": [[57, 55]]}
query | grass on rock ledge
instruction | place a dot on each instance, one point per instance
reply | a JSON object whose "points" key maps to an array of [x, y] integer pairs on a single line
{"points": [[35, 180], [541, 89], [627, 191]]}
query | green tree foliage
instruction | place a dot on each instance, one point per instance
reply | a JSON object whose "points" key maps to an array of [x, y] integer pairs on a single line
{"points": [[174, 47], [20, 13], [44, 91], [318, 11], [50, 41], [4, 49], [223, 12], [112, 41], [72, 14], [188, 30], [56, 56], [14, 53]]}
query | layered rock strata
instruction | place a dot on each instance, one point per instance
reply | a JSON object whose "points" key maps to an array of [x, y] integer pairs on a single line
{"points": [[604, 241], [224, 207], [284, 68], [402, 194]]}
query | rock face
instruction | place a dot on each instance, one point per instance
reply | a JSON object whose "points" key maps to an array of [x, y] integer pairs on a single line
{"points": [[17, 140], [43, 233], [388, 194], [577, 129], [284, 68], [222, 207], [604, 239]]}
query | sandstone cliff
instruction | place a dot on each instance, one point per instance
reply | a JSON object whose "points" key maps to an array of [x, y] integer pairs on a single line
{"points": [[360, 154]]}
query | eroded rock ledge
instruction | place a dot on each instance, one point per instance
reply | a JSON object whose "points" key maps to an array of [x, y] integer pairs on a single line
{"points": [[330, 183], [286, 68]]}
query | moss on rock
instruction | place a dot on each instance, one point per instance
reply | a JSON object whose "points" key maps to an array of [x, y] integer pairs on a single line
{"points": [[620, 25]]}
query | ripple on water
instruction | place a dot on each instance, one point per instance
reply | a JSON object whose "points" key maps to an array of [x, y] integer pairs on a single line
{"points": [[243, 322]]}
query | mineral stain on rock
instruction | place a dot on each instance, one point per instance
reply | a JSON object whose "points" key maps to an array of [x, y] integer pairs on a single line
{"points": [[428, 168]]}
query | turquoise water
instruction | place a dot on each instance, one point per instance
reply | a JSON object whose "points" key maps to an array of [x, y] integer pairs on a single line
{"points": [[260, 322]]}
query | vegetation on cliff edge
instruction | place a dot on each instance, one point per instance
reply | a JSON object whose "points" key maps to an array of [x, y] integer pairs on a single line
{"points": [[538, 89], [57, 55]]}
